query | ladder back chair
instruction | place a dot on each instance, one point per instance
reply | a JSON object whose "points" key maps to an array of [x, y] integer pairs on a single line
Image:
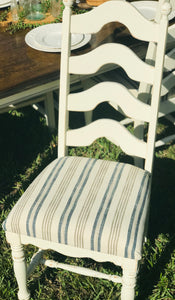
{"points": [[85, 207], [167, 103]]}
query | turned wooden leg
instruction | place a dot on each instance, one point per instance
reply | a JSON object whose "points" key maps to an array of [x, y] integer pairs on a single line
{"points": [[20, 270], [128, 285]]}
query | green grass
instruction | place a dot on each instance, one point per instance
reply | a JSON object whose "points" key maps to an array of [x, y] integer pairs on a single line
{"points": [[26, 147]]}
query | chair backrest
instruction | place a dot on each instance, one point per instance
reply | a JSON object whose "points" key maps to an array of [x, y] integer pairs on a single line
{"points": [[168, 81], [90, 62]]}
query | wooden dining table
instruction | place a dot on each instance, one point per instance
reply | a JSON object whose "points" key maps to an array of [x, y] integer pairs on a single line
{"points": [[26, 73]]}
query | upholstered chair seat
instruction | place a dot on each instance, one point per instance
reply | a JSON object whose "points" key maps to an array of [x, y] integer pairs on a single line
{"points": [[87, 203]]}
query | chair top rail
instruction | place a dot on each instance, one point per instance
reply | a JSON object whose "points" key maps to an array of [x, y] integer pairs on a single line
{"points": [[91, 62], [110, 129], [94, 20], [116, 93]]}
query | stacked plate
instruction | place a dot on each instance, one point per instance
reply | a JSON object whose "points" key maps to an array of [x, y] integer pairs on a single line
{"points": [[48, 38]]}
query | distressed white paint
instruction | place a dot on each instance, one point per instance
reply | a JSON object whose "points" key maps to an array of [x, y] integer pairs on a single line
{"points": [[117, 93], [110, 129], [93, 21], [92, 61]]}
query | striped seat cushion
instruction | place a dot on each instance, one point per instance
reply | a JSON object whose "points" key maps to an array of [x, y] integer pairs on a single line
{"points": [[87, 203]]}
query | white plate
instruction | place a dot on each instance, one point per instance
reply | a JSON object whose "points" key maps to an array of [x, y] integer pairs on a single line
{"points": [[4, 3], [48, 38], [148, 9]]}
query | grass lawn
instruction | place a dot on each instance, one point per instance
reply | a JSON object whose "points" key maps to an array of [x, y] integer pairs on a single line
{"points": [[26, 147]]}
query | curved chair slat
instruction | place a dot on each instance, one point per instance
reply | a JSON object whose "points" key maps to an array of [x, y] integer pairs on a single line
{"points": [[94, 20], [91, 62], [112, 130], [116, 93]]}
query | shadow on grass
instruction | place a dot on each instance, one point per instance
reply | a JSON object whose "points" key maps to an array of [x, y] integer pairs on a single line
{"points": [[22, 137], [149, 277], [162, 216], [163, 198]]}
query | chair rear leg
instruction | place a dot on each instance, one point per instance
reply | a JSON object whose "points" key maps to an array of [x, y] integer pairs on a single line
{"points": [[20, 270], [139, 133]]}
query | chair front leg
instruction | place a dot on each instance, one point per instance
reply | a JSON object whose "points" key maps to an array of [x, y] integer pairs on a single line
{"points": [[20, 270], [128, 284]]}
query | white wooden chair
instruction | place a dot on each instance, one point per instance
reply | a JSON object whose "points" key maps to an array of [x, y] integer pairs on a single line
{"points": [[83, 207], [167, 104]]}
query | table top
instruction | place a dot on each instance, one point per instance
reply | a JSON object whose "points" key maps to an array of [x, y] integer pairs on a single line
{"points": [[23, 68]]}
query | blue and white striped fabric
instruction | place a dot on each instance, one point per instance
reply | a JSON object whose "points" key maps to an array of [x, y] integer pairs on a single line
{"points": [[92, 204]]}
